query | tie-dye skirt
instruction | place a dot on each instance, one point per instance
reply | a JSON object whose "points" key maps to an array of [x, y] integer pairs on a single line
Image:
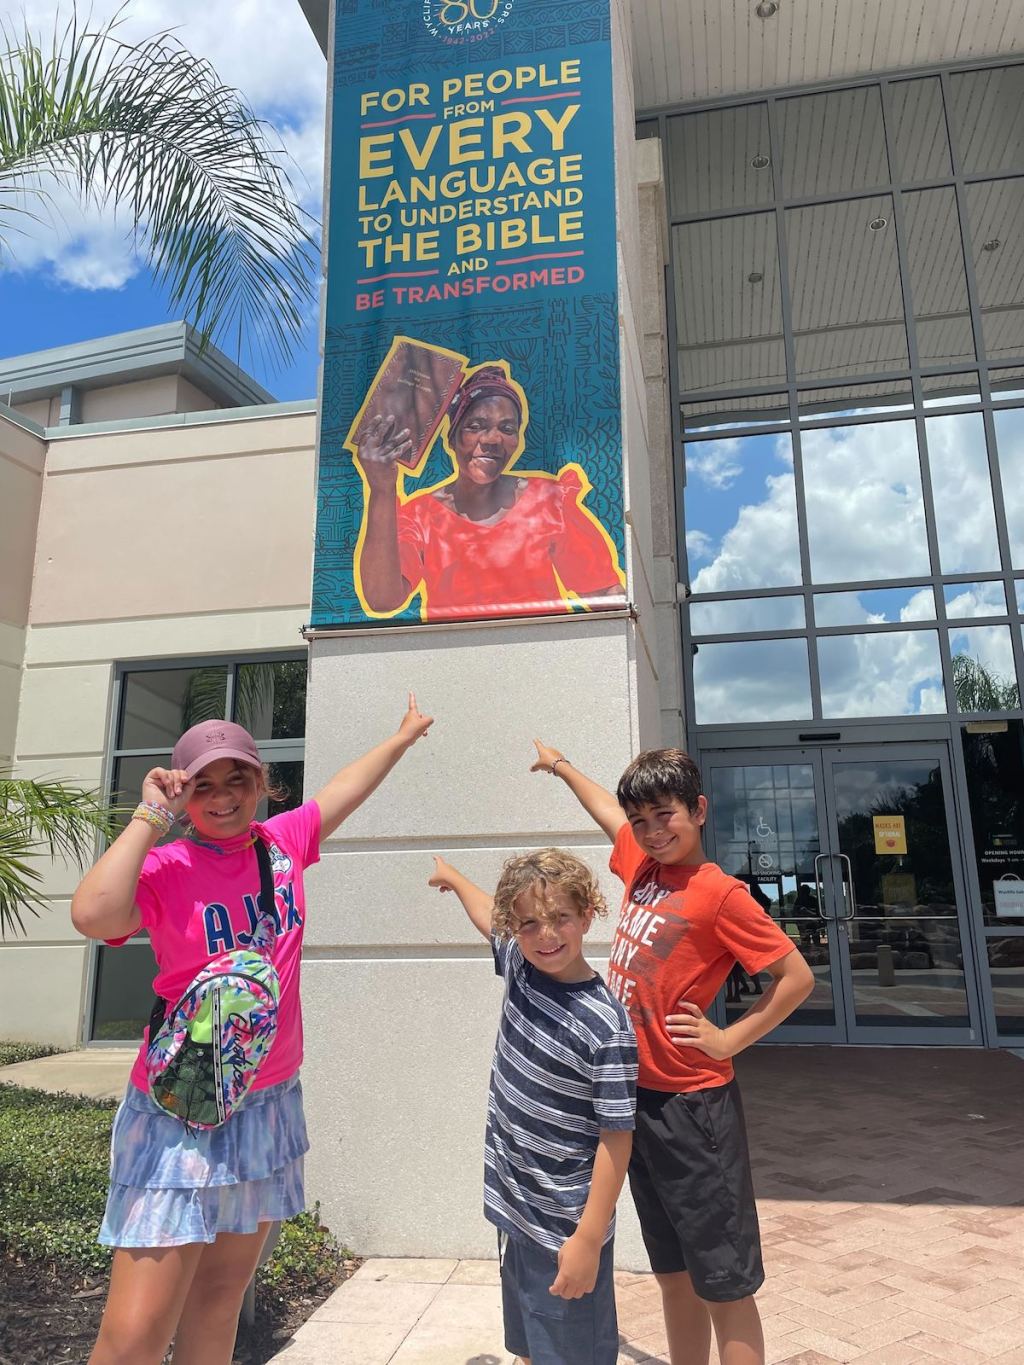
{"points": [[169, 1187]]}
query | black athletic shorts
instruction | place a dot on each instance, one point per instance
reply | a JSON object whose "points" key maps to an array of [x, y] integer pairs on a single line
{"points": [[690, 1179]]}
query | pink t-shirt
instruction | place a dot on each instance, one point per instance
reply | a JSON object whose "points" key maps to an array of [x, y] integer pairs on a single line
{"points": [[199, 901]]}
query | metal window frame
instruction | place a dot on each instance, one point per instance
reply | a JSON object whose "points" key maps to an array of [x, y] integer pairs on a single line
{"points": [[276, 750], [946, 728]]}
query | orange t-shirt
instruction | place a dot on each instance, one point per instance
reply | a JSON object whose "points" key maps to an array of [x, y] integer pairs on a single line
{"points": [[680, 931]]}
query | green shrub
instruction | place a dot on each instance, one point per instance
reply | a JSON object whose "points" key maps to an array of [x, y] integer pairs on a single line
{"points": [[26, 1052], [54, 1156], [54, 1166], [306, 1261]]}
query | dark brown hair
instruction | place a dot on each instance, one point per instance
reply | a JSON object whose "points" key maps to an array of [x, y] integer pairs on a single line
{"points": [[657, 774]]}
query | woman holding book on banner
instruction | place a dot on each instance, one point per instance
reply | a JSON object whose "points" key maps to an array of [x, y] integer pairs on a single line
{"points": [[487, 541]]}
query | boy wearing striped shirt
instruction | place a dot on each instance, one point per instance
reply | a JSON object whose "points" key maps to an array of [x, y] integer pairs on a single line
{"points": [[560, 1113]]}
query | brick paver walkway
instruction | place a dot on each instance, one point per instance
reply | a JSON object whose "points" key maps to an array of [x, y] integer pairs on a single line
{"points": [[891, 1192], [890, 1185]]}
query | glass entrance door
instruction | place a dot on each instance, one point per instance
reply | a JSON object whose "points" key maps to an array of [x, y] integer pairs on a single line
{"points": [[853, 852]]}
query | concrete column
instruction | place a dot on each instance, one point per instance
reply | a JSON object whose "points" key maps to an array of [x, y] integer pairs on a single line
{"points": [[400, 996]]}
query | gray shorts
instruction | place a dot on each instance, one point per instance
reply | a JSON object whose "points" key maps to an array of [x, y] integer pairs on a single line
{"points": [[550, 1330]]}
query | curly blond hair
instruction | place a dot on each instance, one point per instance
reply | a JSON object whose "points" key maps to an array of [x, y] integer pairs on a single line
{"points": [[546, 869]]}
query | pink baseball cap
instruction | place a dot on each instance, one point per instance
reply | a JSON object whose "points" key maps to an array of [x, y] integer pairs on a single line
{"points": [[213, 739]]}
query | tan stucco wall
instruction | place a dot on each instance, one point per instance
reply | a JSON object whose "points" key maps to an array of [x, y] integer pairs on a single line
{"points": [[141, 398], [22, 457], [175, 520], [171, 541]]}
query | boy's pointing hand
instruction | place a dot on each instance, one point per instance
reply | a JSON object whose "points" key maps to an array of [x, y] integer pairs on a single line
{"points": [[414, 724], [691, 1027], [546, 757], [443, 873]]}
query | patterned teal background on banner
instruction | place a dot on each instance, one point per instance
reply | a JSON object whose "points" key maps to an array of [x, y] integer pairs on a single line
{"points": [[472, 212]]}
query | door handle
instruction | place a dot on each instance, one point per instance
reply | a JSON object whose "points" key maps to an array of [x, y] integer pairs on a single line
{"points": [[817, 885], [845, 858]]}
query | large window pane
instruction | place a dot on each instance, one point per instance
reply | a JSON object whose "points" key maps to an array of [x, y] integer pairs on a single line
{"points": [[845, 283], [746, 614], [752, 680], [996, 211], [891, 673], [741, 527], [865, 516], [935, 259], [987, 113], [124, 991], [270, 699], [962, 493], [950, 390], [832, 143], [719, 414], [719, 160], [159, 705], [919, 130], [984, 676], [874, 607], [728, 304], [1009, 425], [966, 600], [994, 763]]}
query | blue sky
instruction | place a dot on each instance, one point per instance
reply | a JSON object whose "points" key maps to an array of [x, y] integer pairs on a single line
{"points": [[78, 279]]}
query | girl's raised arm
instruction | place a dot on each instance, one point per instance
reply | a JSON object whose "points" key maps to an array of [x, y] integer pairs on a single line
{"points": [[349, 788]]}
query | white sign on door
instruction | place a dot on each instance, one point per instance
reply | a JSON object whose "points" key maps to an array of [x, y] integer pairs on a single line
{"points": [[1009, 897]]}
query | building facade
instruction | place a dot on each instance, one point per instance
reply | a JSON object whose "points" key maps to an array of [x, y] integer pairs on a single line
{"points": [[821, 294]]}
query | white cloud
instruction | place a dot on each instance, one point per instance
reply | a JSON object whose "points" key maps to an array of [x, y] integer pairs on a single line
{"points": [[263, 47], [715, 462], [699, 545]]}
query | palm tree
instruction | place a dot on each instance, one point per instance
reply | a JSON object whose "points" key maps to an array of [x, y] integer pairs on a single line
{"points": [[979, 688], [150, 128], [36, 817]]}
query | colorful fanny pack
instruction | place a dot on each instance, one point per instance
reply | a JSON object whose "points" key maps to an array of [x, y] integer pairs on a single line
{"points": [[205, 1051]]}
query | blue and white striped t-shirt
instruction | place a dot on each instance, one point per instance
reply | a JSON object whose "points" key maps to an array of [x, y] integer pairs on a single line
{"points": [[564, 1067]]}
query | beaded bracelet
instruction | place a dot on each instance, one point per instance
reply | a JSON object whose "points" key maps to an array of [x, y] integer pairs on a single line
{"points": [[561, 759], [158, 816]]}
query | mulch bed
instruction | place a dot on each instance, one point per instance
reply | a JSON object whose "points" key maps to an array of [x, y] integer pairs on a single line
{"points": [[50, 1316]]}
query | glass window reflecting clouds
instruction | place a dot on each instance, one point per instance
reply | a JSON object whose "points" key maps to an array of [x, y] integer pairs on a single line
{"points": [[873, 607], [752, 680], [876, 528], [962, 493], [745, 614], [1009, 425], [847, 301], [741, 514], [891, 673], [984, 676], [964, 600], [719, 414]]}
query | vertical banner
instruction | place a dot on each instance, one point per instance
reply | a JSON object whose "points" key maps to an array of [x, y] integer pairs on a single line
{"points": [[470, 463]]}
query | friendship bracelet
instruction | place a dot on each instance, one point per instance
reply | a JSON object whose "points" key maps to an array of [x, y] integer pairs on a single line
{"points": [[561, 759], [158, 816]]}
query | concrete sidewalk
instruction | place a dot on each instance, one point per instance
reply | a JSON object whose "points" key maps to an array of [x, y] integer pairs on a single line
{"points": [[99, 1073]]}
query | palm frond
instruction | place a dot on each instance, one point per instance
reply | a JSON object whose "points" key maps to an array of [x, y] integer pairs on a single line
{"points": [[151, 128], [43, 818]]}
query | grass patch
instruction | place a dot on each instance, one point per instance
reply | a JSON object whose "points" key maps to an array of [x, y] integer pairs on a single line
{"points": [[54, 1166], [26, 1052]]}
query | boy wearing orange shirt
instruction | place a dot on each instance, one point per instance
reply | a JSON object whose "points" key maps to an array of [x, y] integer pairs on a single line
{"points": [[683, 926]]}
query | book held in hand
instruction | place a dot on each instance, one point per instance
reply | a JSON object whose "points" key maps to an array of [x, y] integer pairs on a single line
{"points": [[414, 385]]}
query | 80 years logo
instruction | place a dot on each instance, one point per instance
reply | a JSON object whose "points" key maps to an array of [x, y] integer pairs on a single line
{"points": [[465, 20]]}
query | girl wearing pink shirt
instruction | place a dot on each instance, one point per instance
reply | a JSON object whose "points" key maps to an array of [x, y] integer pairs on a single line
{"points": [[189, 1211]]}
